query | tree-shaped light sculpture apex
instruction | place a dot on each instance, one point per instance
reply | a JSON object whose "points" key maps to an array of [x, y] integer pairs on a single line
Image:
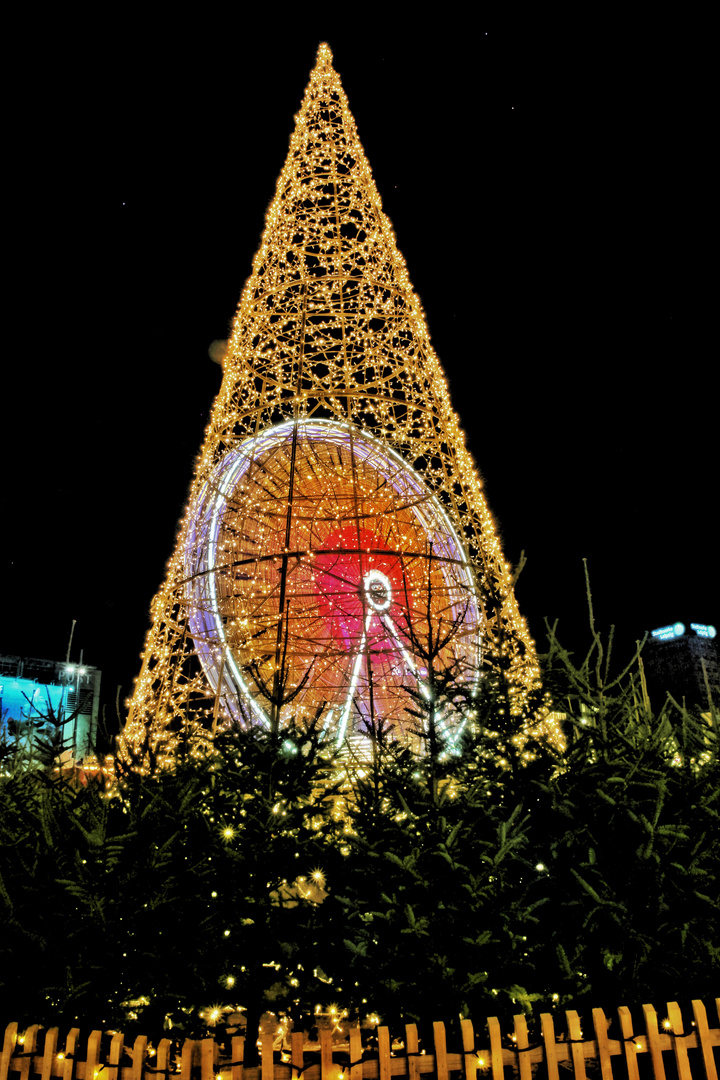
{"points": [[337, 547]]}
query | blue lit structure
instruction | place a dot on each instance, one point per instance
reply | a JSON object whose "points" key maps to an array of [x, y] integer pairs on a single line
{"points": [[38, 695]]}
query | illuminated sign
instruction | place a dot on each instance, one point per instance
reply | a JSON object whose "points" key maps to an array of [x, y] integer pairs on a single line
{"points": [[703, 631], [666, 633]]}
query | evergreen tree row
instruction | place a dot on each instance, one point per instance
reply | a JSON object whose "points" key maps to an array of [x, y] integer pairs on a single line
{"points": [[485, 879]]}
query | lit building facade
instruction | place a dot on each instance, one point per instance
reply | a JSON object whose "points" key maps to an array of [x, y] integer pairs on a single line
{"points": [[683, 660], [39, 697]]}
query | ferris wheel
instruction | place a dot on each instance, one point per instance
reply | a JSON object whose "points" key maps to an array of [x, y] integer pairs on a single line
{"points": [[319, 566]]}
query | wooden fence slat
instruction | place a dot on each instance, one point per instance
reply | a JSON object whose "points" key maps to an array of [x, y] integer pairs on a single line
{"points": [[679, 1042], [266, 1055], [162, 1058], [411, 1048], [238, 1057], [356, 1053], [49, 1053], [208, 1058], [629, 1044], [186, 1059], [600, 1027], [92, 1057], [28, 1043], [522, 1042], [22, 1065], [654, 1042], [9, 1043], [297, 1056], [68, 1054], [703, 1031], [326, 1058], [441, 1065], [116, 1049], [470, 1061], [496, 1050], [138, 1052], [384, 1063], [576, 1049], [383, 1037], [548, 1037]]}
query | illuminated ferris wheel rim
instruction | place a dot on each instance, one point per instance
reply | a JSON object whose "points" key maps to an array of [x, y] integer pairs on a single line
{"points": [[207, 519], [368, 448]]}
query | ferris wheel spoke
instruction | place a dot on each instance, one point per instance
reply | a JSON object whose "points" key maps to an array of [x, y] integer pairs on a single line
{"points": [[440, 718], [342, 722]]}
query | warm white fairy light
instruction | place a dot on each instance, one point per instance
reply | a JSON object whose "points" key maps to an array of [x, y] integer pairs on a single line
{"points": [[328, 331]]}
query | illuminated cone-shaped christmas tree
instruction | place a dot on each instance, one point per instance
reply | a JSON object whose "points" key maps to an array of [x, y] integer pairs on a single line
{"points": [[336, 549]]}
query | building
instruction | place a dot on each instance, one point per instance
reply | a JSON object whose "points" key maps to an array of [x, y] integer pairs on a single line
{"points": [[39, 696], [683, 661]]}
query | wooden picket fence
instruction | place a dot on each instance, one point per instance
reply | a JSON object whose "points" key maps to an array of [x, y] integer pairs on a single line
{"points": [[687, 1052]]}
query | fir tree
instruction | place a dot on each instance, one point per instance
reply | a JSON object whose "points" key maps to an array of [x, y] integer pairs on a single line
{"points": [[629, 845]]}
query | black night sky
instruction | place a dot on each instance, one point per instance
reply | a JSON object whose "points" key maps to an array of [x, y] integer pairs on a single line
{"points": [[548, 194]]}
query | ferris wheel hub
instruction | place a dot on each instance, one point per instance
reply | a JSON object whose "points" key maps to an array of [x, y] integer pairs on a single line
{"points": [[378, 590]]}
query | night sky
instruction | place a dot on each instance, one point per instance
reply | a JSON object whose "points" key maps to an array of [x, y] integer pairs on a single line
{"points": [[547, 195]]}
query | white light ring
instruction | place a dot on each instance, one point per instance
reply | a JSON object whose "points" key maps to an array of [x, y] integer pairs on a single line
{"points": [[377, 575], [224, 479]]}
